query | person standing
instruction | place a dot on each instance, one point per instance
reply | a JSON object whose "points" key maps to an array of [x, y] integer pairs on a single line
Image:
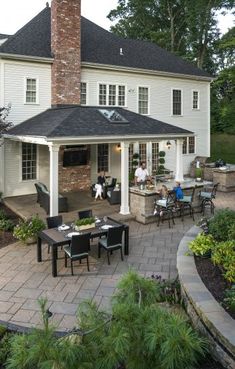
{"points": [[141, 174]]}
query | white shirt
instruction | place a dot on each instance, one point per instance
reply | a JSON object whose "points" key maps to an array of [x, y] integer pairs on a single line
{"points": [[141, 174]]}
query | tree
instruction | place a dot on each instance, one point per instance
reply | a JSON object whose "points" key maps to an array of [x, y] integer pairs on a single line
{"points": [[4, 123], [186, 27]]}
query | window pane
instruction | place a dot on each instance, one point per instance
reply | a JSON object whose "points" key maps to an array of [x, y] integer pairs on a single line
{"points": [[29, 161], [176, 102], [195, 99], [83, 93], [184, 147], [143, 100], [143, 152], [103, 158], [131, 151], [112, 95], [155, 152], [31, 90], [121, 95], [191, 145], [102, 94]]}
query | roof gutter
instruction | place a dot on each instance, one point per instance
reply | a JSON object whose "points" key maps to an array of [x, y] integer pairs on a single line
{"points": [[26, 58], [119, 68], [94, 139]]}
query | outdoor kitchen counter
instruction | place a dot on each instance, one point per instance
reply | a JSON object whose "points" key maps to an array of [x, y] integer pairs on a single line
{"points": [[142, 201]]}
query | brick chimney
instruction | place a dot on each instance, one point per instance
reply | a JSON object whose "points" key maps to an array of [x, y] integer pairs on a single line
{"points": [[66, 49]]}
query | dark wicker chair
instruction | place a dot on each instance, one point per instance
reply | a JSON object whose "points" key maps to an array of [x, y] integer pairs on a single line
{"points": [[207, 196], [53, 222], [43, 198], [114, 196], [85, 214], [78, 249], [112, 242]]}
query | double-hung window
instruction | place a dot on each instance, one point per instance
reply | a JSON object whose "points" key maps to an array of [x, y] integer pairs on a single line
{"points": [[176, 102], [83, 93], [31, 91], [188, 145], [112, 95], [195, 97], [29, 161], [103, 158], [143, 100], [143, 152], [155, 152]]}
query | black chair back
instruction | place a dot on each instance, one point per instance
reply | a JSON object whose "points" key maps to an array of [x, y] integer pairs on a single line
{"points": [[53, 222], [171, 198], [80, 244], [114, 236], [214, 190], [85, 214], [113, 183]]}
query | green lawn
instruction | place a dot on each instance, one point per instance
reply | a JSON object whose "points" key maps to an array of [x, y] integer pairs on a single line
{"points": [[223, 147]]}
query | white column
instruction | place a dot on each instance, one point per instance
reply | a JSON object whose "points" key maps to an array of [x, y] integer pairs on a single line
{"points": [[2, 166], [54, 185], [124, 178], [179, 161], [149, 157]]}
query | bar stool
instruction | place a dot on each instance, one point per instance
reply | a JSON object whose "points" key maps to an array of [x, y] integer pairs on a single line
{"points": [[187, 203], [207, 198], [164, 208]]}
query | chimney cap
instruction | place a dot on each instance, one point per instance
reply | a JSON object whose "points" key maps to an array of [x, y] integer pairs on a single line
{"points": [[47, 4]]}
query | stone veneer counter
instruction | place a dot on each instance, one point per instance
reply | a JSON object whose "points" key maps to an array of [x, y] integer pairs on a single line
{"points": [[225, 178], [142, 201]]}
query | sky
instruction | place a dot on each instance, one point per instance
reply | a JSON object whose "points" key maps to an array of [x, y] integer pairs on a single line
{"points": [[16, 13]]}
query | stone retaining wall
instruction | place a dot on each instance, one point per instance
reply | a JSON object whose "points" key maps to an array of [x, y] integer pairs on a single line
{"points": [[205, 312]]}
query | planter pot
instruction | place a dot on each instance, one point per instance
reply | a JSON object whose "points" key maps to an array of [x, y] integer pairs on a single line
{"points": [[198, 179], [30, 240], [84, 227]]}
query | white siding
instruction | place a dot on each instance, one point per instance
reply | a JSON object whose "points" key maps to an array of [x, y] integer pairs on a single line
{"points": [[160, 103], [14, 88], [114, 162], [14, 186]]}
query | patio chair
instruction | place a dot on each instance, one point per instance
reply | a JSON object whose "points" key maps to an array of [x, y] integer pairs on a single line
{"points": [[164, 208], [114, 196], [53, 222], [207, 196], [112, 242], [187, 203], [85, 214], [78, 250], [43, 198]]}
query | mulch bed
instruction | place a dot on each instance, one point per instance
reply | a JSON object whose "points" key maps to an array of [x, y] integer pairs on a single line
{"points": [[6, 238], [213, 279]]}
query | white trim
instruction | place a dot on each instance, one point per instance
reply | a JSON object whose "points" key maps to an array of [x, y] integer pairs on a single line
{"points": [[146, 71], [87, 92], [198, 100], [2, 83], [148, 87], [29, 139], [208, 122], [26, 58], [107, 84], [37, 89], [182, 105]]}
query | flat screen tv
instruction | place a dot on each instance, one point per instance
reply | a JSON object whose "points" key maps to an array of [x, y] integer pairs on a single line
{"points": [[75, 156]]}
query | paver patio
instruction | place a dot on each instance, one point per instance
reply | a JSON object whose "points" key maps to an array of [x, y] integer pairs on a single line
{"points": [[23, 280]]}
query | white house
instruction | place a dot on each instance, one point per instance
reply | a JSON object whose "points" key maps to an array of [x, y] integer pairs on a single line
{"points": [[61, 59]]}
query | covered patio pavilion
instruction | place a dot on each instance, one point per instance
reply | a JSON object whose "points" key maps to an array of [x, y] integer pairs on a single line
{"points": [[79, 125]]}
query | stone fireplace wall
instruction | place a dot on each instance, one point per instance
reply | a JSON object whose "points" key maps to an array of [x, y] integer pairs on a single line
{"points": [[73, 178]]}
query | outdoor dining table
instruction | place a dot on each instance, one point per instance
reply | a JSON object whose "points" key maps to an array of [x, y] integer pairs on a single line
{"points": [[56, 238]]}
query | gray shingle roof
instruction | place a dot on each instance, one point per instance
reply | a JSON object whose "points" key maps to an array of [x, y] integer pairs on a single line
{"points": [[98, 46], [82, 121], [3, 36]]}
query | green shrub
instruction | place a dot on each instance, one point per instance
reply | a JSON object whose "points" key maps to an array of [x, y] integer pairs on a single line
{"points": [[2, 331], [229, 298], [5, 346], [220, 224], [2, 214], [28, 228], [6, 225], [198, 172], [231, 232], [224, 255], [202, 245], [161, 160], [162, 154]]}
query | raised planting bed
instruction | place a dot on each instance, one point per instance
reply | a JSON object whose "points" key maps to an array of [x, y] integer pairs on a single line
{"points": [[6, 237]]}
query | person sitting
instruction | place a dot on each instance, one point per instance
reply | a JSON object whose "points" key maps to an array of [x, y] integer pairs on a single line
{"points": [[178, 191], [141, 174], [163, 193], [99, 185]]}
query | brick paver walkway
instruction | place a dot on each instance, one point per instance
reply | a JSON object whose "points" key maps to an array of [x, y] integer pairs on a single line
{"points": [[23, 280]]}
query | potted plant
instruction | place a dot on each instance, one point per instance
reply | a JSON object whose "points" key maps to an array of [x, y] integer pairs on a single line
{"points": [[161, 162], [86, 223], [202, 245], [27, 230], [198, 174]]}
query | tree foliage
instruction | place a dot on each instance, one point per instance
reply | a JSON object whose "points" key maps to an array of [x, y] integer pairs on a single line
{"points": [[4, 123]]}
